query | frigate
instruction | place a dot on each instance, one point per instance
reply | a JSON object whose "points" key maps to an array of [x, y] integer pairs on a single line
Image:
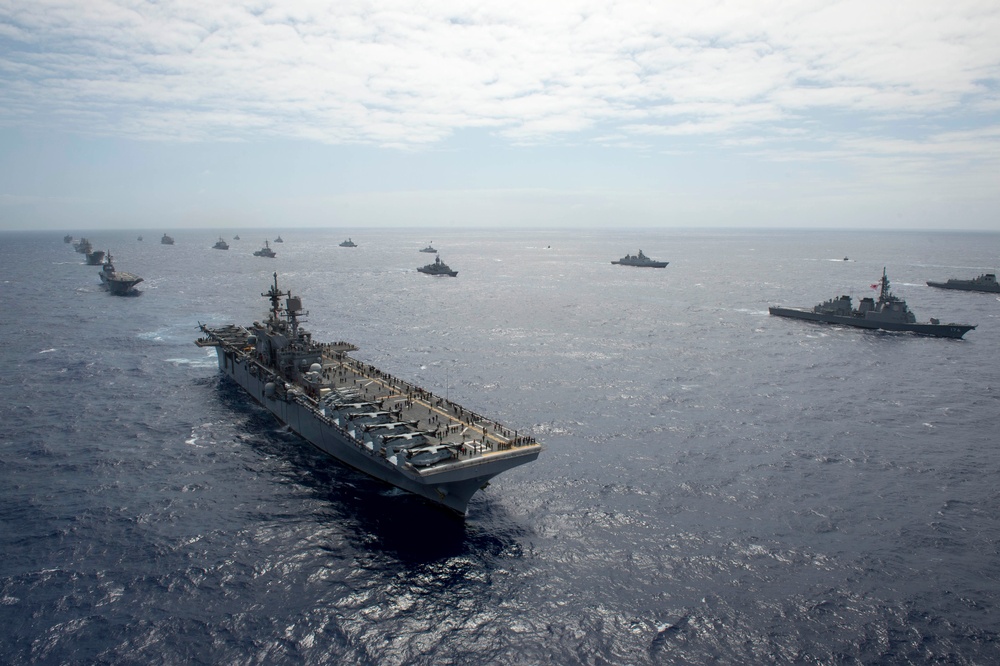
{"points": [[221, 244], [167, 240], [640, 260], [985, 282], [265, 251], [348, 243], [429, 249], [118, 283], [368, 419], [438, 268], [889, 313]]}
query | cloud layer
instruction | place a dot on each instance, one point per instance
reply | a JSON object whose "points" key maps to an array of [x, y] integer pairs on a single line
{"points": [[383, 73], [756, 112]]}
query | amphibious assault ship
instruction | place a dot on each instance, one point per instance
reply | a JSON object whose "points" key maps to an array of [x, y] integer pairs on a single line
{"points": [[889, 313], [366, 418], [985, 282]]}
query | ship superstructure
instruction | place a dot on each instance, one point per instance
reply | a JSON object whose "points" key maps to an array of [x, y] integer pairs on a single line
{"points": [[381, 425]]}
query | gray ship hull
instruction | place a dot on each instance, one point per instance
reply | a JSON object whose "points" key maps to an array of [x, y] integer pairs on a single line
{"points": [[936, 330], [452, 484]]}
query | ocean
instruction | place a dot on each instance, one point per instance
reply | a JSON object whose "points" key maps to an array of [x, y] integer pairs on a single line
{"points": [[717, 486]]}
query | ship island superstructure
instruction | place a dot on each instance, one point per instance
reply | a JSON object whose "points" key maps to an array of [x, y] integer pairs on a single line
{"points": [[368, 419]]}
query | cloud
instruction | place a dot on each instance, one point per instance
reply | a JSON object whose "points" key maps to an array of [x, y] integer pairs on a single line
{"points": [[905, 88], [379, 72]]}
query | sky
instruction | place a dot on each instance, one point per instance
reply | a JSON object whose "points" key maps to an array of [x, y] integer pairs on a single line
{"points": [[170, 114]]}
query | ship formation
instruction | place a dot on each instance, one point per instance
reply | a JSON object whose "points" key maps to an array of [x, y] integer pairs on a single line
{"points": [[366, 418]]}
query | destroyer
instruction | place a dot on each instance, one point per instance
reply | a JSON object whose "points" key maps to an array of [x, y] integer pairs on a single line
{"points": [[220, 244], [889, 313], [118, 283], [348, 243], [985, 282], [366, 418], [640, 260], [167, 240]]}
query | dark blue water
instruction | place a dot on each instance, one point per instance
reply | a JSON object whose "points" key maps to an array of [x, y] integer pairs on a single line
{"points": [[718, 485]]}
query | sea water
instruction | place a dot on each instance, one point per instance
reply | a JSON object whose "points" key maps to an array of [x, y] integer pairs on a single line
{"points": [[717, 485]]}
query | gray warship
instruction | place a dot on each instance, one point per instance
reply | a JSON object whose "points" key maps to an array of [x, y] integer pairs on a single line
{"points": [[95, 258], [438, 268], [889, 313], [985, 282], [167, 240], [220, 244], [265, 251], [118, 283], [429, 249], [348, 243], [366, 418], [640, 260]]}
